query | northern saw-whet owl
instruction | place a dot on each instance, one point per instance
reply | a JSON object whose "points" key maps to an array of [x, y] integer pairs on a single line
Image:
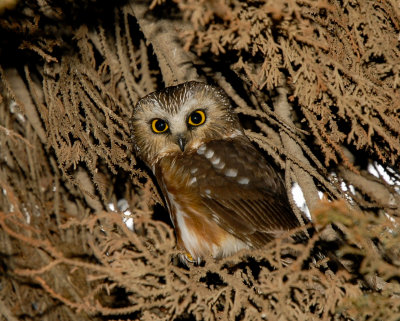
{"points": [[221, 193]]}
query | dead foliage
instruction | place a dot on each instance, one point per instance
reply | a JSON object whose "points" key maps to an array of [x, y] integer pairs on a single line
{"points": [[316, 83]]}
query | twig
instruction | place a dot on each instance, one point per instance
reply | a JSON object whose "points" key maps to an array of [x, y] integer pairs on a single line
{"points": [[12, 134]]}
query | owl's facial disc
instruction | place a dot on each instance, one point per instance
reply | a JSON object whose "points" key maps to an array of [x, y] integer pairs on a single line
{"points": [[179, 119]]}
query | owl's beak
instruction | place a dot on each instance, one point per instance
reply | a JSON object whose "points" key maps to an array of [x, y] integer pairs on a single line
{"points": [[181, 140]]}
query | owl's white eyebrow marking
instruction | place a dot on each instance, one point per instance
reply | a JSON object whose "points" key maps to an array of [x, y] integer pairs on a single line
{"points": [[201, 149], [243, 180], [194, 170], [231, 172], [192, 181], [209, 153], [215, 160]]}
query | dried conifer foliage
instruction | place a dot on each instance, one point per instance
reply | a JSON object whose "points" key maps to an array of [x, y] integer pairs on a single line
{"points": [[316, 84]]}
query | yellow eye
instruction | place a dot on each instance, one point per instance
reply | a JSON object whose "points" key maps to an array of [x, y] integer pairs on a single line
{"points": [[159, 126], [197, 118]]}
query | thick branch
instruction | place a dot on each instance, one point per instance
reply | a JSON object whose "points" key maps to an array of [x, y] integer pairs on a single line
{"points": [[371, 187], [304, 179], [175, 63]]}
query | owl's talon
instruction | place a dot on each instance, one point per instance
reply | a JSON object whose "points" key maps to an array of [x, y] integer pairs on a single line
{"points": [[189, 257]]}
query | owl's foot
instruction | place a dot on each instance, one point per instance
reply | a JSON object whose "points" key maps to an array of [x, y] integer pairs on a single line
{"points": [[188, 258]]}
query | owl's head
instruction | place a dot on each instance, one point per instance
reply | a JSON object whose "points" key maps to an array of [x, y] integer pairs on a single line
{"points": [[180, 118]]}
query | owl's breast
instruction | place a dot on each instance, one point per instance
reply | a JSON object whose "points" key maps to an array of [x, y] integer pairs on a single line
{"points": [[197, 229]]}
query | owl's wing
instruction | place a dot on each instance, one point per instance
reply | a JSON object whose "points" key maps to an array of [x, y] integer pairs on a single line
{"points": [[244, 195]]}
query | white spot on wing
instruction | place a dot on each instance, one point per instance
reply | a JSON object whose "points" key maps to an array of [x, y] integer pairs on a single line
{"points": [[192, 181], [194, 170], [220, 165], [208, 192], [243, 180], [215, 160], [201, 149], [231, 172], [209, 153]]}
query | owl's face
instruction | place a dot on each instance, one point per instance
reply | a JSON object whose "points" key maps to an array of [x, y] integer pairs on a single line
{"points": [[178, 119]]}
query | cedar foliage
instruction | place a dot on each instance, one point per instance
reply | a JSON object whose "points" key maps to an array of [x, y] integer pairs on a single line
{"points": [[316, 83]]}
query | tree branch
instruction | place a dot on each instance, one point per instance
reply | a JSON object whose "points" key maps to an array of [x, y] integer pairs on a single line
{"points": [[175, 63], [304, 179]]}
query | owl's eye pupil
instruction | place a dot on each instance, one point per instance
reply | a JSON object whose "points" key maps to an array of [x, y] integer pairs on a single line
{"points": [[159, 125], [197, 118]]}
